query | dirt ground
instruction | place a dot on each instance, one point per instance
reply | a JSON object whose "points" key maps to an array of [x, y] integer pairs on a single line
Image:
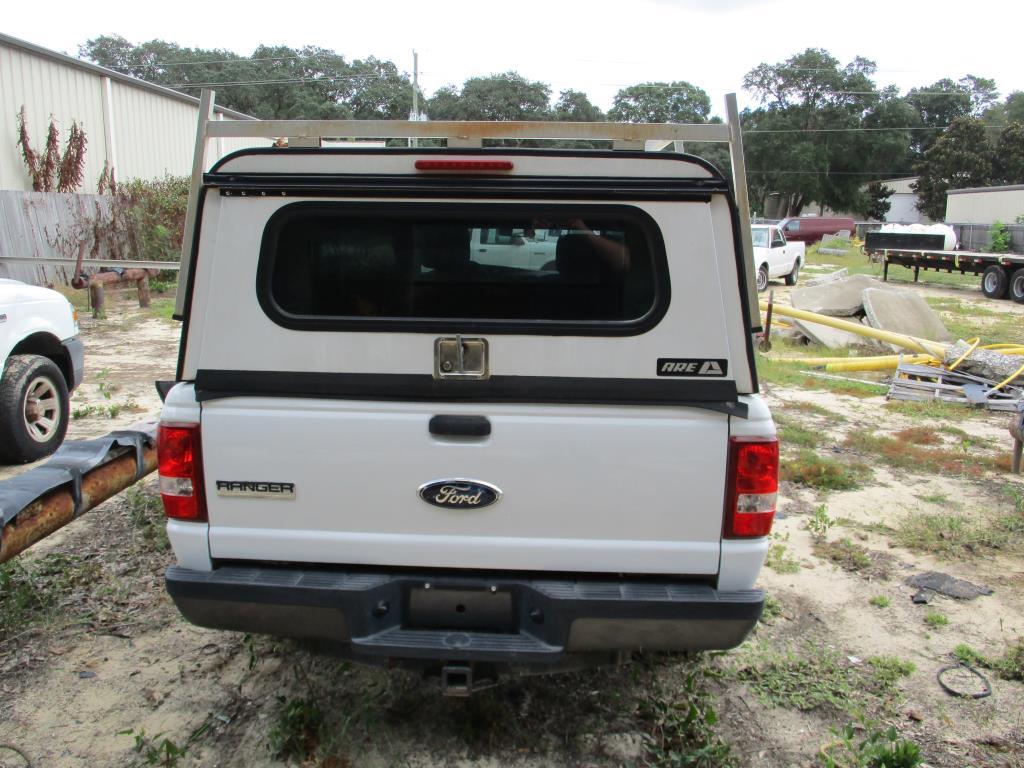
{"points": [[98, 669]]}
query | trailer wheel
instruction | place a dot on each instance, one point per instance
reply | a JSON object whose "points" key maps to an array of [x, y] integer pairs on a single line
{"points": [[994, 282], [1017, 286]]}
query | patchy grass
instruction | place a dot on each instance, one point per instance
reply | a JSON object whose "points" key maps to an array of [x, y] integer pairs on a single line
{"points": [[1009, 666], [865, 744], [162, 308], [879, 601], [817, 677], [965, 320], [146, 512], [905, 455], [936, 498], [953, 536], [844, 553], [780, 560], [298, 729], [789, 374], [31, 590], [934, 410], [680, 725], [810, 409], [936, 620], [918, 436], [823, 473], [793, 433]]}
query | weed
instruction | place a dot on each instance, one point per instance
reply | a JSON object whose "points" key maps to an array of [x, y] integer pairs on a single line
{"points": [[844, 553], [162, 308], [812, 409], [779, 559], [299, 729], [803, 681], [866, 745], [904, 455], [967, 655], [85, 411], [935, 620], [159, 750], [31, 591], [1009, 666], [918, 436], [820, 523], [889, 669], [793, 433], [951, 535], [933, 410], [145, 510], [999, 237], [879, 601], [106, 388], [820, 472], [772, 609], [816, 676], [681, 728], [935, 498]]}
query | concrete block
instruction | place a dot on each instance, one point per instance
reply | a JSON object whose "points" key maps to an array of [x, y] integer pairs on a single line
{"points": [[833, 338], [903, 312], [839, 298], [831, 277]]}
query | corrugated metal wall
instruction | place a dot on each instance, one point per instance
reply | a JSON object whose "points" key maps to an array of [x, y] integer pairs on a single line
{"points": [[46, 87], [153, 134]]}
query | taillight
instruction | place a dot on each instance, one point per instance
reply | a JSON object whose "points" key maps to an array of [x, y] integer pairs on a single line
{"points": [[753, 487], [181, 471], [463, 165]]}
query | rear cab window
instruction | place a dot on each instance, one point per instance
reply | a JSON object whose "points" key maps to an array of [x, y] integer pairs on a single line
{"points": [[591, 268]]}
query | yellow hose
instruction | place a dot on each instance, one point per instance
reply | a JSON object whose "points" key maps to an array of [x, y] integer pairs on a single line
{"points": [[933, 348], [879, 363], [971, 346]]}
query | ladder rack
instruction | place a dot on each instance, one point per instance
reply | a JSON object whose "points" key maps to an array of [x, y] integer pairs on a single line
{"points": [[467, 135]]}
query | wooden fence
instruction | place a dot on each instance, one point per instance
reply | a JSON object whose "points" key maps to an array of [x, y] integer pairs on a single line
{"points": [[44, 225]]}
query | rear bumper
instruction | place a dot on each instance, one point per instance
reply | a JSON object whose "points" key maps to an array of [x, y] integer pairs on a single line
{"points": [[441, 617]]}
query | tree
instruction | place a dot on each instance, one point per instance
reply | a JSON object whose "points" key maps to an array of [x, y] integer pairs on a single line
{"points": [[574, 106], [961, 157], [1008, 163], [877, 201], [805, 142], [939, 104], [274, 82], [675, 102], [507, 96]]}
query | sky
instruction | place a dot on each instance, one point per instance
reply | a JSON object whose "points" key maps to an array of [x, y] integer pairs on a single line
{"points": [[596, 47]]}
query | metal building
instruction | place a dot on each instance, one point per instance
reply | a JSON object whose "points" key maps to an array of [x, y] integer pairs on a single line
{"points": [[139, 129]]}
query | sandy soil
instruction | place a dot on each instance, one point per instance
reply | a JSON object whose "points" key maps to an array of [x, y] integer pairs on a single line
{"points": [[113, 655]]}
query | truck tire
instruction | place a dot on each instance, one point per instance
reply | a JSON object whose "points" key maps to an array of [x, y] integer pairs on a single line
{"points": [[762, 278], [792, 277], [33, 408], [994, 282], [1017, 286]]}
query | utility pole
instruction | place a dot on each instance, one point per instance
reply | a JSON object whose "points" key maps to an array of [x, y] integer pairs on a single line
{"points": [[415, 91]]}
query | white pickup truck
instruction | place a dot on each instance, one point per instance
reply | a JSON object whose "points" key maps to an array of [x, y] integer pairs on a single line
{"points": [[41, 360], [774, 257], [386, 438]]}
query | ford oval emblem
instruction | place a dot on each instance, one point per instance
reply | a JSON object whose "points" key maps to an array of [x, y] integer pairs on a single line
{"points": [[459, 494]]}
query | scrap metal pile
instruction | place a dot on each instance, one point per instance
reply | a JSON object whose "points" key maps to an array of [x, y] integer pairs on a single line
{"points": [[842, 311]]}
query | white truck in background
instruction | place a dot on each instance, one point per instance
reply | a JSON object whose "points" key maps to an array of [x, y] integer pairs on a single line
{"points": [[41, 362], [774, 256], [391, 437]]}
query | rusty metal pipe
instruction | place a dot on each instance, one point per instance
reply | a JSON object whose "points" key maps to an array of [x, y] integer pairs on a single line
{"points": [[56, 509]]}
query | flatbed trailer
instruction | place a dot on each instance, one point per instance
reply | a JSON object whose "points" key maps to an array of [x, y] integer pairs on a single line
{"points": [[1002, 274]]}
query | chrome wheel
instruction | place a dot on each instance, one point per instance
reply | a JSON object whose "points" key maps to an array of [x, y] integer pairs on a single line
{"points": [[41, 409]]}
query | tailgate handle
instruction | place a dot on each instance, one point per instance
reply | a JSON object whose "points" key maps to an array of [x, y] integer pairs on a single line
{"points": [[460, 426]]}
